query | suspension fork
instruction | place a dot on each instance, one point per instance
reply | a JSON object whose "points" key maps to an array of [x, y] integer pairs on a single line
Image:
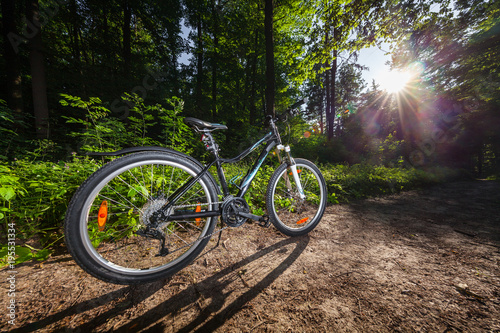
{"points": [[293, 167]]}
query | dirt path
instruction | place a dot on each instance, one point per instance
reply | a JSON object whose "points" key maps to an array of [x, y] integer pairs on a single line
{"points": [[425, 261]]}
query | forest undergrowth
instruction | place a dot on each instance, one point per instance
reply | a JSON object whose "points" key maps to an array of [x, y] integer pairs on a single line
{"points": [[35, 194]]}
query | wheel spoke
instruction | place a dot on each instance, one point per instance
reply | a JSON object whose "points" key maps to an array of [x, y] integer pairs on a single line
{"points": [[289, 212], [134, 189]]}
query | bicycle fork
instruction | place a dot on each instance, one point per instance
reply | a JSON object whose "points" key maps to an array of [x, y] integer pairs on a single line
{"points": [[293, 168]]}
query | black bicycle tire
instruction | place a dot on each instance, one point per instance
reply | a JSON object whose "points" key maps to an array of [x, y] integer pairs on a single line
{"points": [[270, 193], [74, 238]]}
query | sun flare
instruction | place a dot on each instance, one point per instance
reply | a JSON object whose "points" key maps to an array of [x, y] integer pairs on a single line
{"points": [[394, 82]]}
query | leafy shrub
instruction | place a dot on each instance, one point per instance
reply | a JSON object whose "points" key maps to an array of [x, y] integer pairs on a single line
{"points": [[100, 131], [35, 196], [389, 151], [10, 140], [346, 182]]}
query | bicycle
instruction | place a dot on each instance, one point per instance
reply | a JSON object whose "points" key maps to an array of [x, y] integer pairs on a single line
{"points": [[148, 214]]}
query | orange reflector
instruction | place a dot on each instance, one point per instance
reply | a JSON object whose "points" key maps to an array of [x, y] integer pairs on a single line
{"points": [[102, 215], [298, 171], [198, 219], [303, 220]]}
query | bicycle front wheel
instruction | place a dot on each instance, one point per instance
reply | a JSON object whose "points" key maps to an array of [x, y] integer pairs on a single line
{"points": [[110, 227], [288, 212]]}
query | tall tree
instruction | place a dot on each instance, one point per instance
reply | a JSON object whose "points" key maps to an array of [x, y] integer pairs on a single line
{"points": [[269, 37], [12, 69], [215, 56], [37, 64], [127, 52]]}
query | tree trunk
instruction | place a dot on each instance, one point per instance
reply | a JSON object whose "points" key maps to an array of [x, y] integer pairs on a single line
{"points": [[74, 33], [199, 66], [12, 69], [215, 60], [77, 53], [253, 85], [214, 83], [321, 121], [127, 18], [269, 34], [38, 83], [331, 113], [328, 89]]}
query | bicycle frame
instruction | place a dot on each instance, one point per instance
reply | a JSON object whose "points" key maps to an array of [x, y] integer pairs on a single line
{"points": [[271, 139]]}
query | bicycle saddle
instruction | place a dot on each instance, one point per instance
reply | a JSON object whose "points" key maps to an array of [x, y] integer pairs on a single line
{"points": [[201, 125]]}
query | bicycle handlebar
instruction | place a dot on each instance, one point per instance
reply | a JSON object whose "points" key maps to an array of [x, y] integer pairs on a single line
{"points": [[283, 116], [297, 104]]}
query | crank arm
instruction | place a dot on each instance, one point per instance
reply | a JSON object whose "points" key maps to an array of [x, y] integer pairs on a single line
{"points": [[263, 220]]}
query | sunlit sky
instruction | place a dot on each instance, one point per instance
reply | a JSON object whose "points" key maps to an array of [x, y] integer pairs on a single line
{"points": [[374, 58]]}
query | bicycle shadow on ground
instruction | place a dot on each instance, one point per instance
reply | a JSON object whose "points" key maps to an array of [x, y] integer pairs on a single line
{"points": [[134, 295], [213, 288], [210, 288]]}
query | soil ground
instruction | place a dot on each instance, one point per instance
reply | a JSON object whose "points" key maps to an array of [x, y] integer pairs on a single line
{"points": [[419, 261]]}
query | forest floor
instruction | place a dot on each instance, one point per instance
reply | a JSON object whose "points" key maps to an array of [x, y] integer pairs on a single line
{"points": [[419, 261]]}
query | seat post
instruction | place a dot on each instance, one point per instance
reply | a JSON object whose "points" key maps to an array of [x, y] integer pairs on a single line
{"points": [[209, 142], [213, 147]]}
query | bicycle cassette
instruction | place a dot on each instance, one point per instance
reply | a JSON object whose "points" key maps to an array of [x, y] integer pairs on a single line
{"points": [[230, 209]]}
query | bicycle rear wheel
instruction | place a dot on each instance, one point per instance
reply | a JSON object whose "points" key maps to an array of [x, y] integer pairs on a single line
{"points": [[289, 213], [108, 215]]}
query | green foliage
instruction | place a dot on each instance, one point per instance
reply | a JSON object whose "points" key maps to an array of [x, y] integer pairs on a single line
{"points": [[34, 198], [10, 140], [346, 182], [175, 134], [389, 151], [22, 254], [99, 131], [6, 119], [35, 195]]}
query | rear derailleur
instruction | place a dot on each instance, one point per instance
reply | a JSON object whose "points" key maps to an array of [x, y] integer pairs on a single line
{"points": [[155, 234]]}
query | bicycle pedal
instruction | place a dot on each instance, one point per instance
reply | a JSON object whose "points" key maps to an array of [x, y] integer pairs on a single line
{"points": [[264, 221]]}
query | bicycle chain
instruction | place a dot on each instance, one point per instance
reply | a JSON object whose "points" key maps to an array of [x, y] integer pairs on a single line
{"points": [[200, 204]]}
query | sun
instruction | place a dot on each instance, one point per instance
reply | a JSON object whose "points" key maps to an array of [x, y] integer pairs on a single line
{"points": [[394, 82]]}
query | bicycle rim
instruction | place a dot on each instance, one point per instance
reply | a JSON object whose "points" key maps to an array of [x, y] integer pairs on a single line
{"points": [[122, 204], [292, 212]]}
